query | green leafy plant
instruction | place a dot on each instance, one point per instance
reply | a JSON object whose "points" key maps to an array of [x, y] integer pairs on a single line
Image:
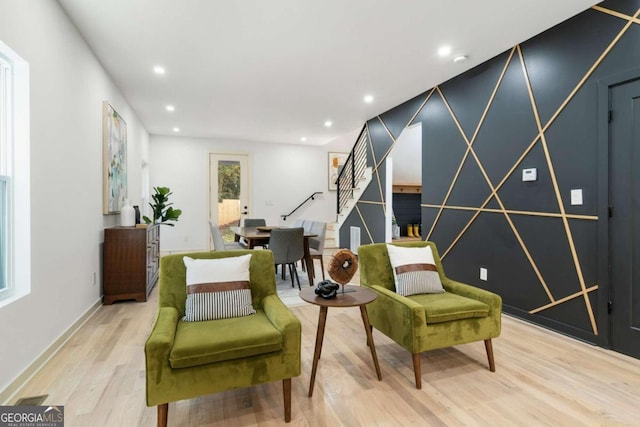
{"points": [[162, 209]]}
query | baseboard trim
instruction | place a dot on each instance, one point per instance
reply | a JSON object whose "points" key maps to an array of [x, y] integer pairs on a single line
{"points": [[10, 392]]}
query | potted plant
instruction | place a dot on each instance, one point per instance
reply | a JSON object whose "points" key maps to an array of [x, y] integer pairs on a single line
{"points": [[162, 209]]}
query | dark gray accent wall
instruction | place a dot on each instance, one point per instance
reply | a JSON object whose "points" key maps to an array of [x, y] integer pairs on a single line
{"points": [[544, 267]]}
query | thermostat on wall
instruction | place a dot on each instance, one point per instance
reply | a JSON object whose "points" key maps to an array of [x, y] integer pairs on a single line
{"points": [[530, 174]]}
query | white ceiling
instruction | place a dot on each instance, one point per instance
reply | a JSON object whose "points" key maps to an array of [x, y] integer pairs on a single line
{"points": [[275, 70]]}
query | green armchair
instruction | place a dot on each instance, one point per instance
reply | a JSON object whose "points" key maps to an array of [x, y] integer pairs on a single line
{"points": [[189, 359], [424, 322]]}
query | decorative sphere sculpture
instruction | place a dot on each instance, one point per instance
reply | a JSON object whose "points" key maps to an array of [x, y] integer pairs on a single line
{"points": [[343, 266]]}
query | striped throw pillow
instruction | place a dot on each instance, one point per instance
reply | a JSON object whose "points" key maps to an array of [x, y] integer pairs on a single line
{"points": [[414, 270], [217, 288]]}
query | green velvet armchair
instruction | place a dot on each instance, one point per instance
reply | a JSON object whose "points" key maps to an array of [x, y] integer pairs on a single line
{"points": [[189, 359], [424, 322]]}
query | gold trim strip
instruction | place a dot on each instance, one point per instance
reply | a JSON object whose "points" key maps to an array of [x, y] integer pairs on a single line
{"points": [[513, 212], [556, 188], [499, 200], [475, 134], [364, 223], [393, 142], [616, 14], [371, 202], [421, 107], [563, 300]]}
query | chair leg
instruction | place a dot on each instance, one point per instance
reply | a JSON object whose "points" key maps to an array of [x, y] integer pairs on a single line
{"points": [[162, 414], [322, 266], [284, 271], [489, 347], [416, 370], [291, 270], [286, 391], [295, 271]]}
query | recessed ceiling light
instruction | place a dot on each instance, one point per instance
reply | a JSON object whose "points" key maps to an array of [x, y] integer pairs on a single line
{"points": [[303, 139], [176, 129], [368, 99], [328, 123], [444, 51], [460, 58], [172, 108], [159, 70]]}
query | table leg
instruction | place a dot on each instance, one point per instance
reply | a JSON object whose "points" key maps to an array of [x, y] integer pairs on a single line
{"points": [[316, 354], [365, 320], [308, 262]]}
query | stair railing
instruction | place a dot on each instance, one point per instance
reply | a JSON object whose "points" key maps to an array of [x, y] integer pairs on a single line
{"points": [[311, 197], [352, 170]]}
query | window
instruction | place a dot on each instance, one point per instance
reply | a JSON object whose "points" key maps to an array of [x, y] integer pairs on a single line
{"points": [[15, 238]]}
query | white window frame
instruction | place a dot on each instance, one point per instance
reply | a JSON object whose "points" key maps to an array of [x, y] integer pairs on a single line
{"points": [[14, 173]]}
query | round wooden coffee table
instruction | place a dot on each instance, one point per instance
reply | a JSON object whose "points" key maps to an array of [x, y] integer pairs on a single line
{"points": [[353, 296]]}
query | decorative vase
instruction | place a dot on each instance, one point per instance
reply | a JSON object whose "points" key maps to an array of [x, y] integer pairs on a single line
{"points": [[127, 215], [136, 208]]}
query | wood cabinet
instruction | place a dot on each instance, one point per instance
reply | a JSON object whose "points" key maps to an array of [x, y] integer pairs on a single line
{"points": [[130, 262]]}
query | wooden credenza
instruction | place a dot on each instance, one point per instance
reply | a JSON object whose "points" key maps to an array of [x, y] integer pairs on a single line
{"points": [[131, 259]]}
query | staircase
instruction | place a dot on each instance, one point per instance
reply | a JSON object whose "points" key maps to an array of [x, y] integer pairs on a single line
{"points": [[352, 181]]}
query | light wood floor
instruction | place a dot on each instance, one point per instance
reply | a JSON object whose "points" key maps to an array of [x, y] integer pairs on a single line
{"points": [[542, 378]]}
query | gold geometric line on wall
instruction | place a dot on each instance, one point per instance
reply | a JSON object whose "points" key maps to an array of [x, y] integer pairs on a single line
{"points": [[364, 223], [393, 142], [512, 212], [420, 108], [375, 167], [490, 196], [561, 108], [371, 202], [620, 15], [475, 134], [514, 229], [563, 300], [560, 201], [590, 71]]}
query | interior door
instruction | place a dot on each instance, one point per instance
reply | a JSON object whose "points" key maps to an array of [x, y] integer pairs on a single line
{"points": [[229, 189], [624, 226]]}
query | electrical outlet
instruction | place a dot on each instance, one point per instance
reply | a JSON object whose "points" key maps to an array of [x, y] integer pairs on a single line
{"points": [[483, 274]]}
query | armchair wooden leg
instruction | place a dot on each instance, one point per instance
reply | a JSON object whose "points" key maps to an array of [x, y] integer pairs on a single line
{"points": [[162, 414], [286, 391], [489, 347], [417, 371], [322, 266]]}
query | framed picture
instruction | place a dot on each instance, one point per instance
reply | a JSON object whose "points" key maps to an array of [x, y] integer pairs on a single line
{"points": [[336, 163], [114, 160]]}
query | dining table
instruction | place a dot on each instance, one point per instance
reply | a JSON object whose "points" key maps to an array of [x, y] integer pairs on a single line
{"points": [[259, 236]]}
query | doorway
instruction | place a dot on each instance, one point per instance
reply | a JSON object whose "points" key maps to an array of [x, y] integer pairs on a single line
{"points": [[229, 189], [624, 221]]}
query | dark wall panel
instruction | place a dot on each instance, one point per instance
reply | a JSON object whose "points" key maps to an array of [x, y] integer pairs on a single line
{"points": [[557, 59], [468, 94], [442, 150], [509, 127], [533, 196], [563, 67], [398, 118]]}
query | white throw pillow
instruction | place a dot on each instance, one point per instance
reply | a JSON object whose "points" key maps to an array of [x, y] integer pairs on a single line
{"points": [[414, 270], [217, 288]]}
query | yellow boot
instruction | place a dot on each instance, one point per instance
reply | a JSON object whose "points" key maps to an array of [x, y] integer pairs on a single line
{"points": [[410, 230], [416, 230]]}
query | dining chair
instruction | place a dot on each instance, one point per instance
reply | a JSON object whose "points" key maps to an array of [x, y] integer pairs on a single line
{"points": [[251, 222], [316, 244], [287, 245], [218, 241]]}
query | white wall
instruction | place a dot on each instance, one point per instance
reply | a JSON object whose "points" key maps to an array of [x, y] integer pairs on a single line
{"points": [[282, 177], [68, 86]]}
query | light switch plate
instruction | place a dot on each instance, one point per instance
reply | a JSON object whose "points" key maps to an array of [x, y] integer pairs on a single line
{"points": [[576, 196], [530, 174], [483, 273]]}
